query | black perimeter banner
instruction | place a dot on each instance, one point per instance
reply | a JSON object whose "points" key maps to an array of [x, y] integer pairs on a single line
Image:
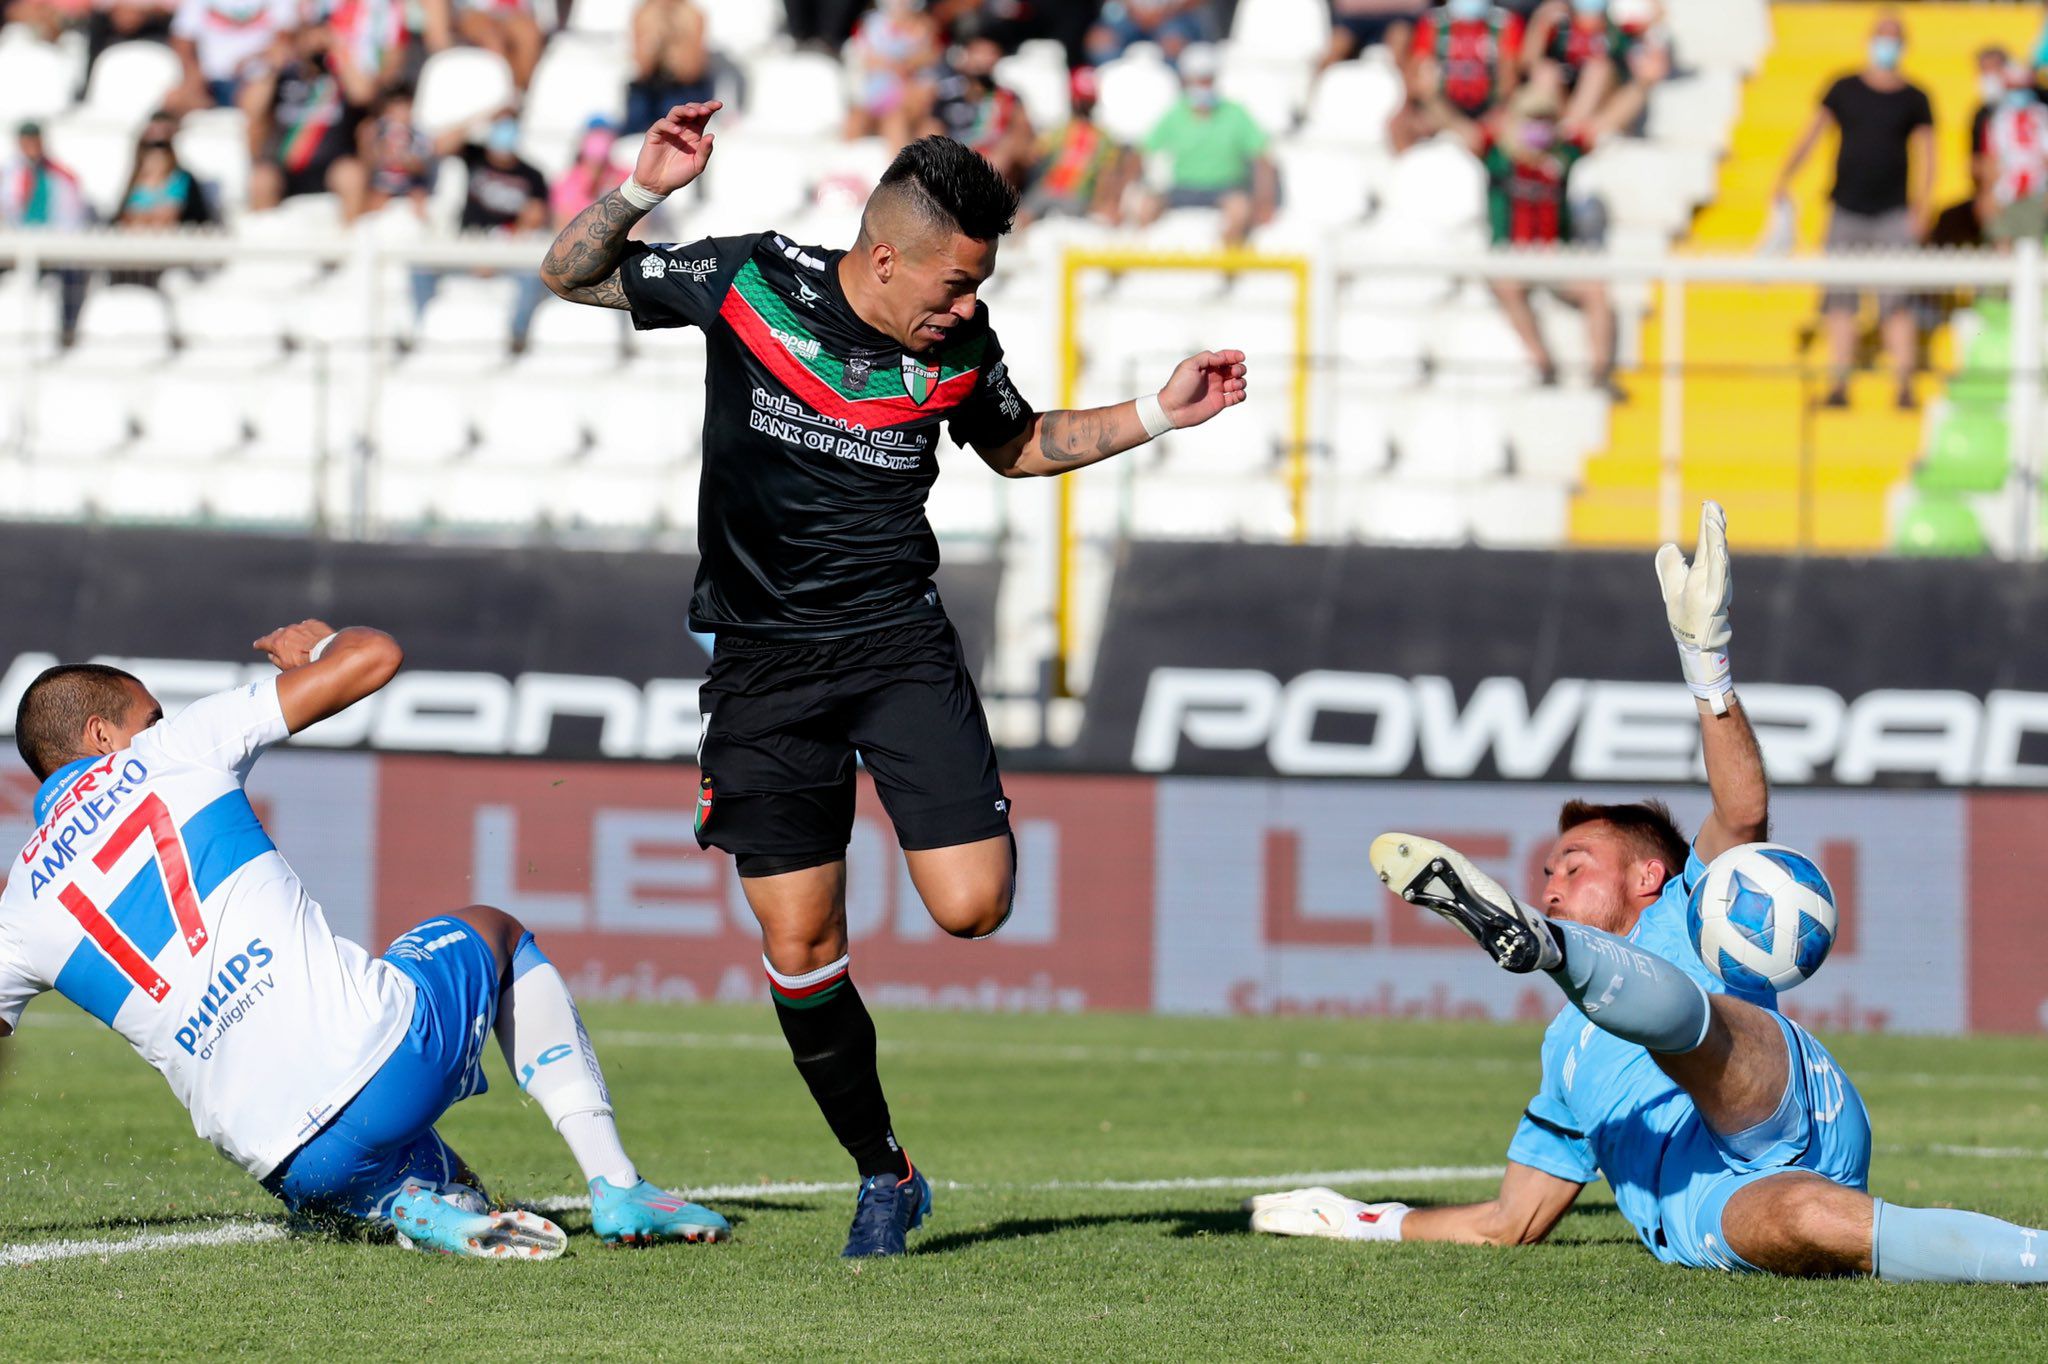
{"points": [[1363, 661], [597, 628]]}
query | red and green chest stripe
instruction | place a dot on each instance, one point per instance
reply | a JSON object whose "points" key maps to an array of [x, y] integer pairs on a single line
{"points": [[860, 393]]}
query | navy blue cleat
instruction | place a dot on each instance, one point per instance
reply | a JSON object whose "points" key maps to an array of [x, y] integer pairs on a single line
{"points": [[889, 1210]]}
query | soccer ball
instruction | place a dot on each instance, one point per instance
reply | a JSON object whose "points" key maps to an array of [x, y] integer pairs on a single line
{"points": [[1762, 918]]}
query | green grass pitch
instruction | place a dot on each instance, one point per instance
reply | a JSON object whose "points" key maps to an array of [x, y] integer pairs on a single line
{"points": [[1024, 1260]]}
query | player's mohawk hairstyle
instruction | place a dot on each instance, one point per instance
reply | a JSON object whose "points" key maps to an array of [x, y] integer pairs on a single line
{"points": [[952, 187], [56, 706]]}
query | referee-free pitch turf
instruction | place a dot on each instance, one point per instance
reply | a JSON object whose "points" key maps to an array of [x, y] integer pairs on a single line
{"points": [[1026, 1125]]}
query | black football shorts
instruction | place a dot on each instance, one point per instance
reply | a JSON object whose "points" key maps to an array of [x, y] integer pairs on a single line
{"points": [[784, 721]]}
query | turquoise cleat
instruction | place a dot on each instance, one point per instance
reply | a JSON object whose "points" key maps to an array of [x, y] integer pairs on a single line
{"points": [[455, 1225], [647, 1213]]}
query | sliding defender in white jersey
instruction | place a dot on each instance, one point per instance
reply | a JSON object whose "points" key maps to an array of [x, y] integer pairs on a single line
{"points": [[151, 897]]}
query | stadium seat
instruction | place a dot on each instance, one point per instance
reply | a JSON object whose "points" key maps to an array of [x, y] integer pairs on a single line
{"points": [[285, 416], [1938, 526], [1516, 513], [607, 18], [527, 420], [1553, 430], [966, 501], [1967, 453], [124, 322], [739, 27], [578, 79], [79, 411], [1325, 186], [130, 81], [421, 419], [1041, 84], [609, 497], [795, 95], [1395, 512], [1379, 347], [1171, 506], [477, 493], [1272, 95], [1295, 31], [1438, 187], [566, 338], [1696, 110], [213, 144], [459, 85], [195, 414], [36, 78], [755, 181], [467, 325], [1360, 435], [1440, 438], [1728, 35], [100, 157], [1474, 349], [1351, 104], [266, 494], [1134, 94]]}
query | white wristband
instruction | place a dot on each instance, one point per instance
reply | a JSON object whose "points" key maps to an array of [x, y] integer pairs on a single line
{"points": [[1378, 1222], [1707, 675], [313, 654], [646, 200], [1152, 413]]}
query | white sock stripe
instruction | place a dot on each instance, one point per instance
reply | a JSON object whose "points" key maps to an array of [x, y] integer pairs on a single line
{"points": [[808, 978]]}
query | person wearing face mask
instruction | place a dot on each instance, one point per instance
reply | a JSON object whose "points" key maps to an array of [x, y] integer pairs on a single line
{"points": [[1884, 177], [2012, 161], [1215, 153], [591, 176], [1470, 52]]}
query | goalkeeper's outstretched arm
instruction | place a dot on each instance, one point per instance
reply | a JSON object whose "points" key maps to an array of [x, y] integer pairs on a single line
{"points": [[1529, 1205], [1060, 442], [1697, 597]]}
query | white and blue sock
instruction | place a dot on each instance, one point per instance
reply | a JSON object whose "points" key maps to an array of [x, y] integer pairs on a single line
{"points": [[552, 1060], [1636, 995], [1949, 1245]]}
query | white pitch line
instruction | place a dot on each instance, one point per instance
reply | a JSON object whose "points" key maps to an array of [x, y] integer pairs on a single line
{"points": [[226, 1234], [1990, 1152], [1413, 1174]]}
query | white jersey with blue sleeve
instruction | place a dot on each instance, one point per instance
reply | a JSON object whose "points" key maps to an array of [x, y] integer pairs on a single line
{"points": [[1604, 1107], [151, 897]]}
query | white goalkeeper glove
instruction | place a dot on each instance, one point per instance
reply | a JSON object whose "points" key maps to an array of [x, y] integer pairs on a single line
{"points": [[1325, 1212], [1696, 598]]}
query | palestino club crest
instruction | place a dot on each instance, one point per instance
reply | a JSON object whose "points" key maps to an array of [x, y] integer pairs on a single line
{"points": [[858, 368], [919, 380]]}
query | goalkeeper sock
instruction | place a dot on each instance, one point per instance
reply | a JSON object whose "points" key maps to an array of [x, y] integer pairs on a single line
{"points": [[553, 1062], [1636, 995], [1948, 1245], [832, 1039]]}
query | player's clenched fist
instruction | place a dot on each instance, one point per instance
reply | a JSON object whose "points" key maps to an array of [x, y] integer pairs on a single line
{"points": [[677, 148], [291, 646]]}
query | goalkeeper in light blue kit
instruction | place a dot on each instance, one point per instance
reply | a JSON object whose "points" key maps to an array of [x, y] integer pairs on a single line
{"points": [[1731, 1138]]}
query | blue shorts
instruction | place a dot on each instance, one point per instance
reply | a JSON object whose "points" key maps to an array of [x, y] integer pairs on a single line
{"points": [[1820, 1126], [385, 1134]]}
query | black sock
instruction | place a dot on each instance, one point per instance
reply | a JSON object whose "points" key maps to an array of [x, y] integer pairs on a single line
{"points": [[832, 1039]]}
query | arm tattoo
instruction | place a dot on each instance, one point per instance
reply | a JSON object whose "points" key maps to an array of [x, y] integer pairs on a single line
{"points": [[1065, 437], [583, 263]]}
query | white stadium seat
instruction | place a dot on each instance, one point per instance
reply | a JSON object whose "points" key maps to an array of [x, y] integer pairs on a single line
{"points": [[741, 26], [242, 492], [1294, 31], [130, 81], [421, 419], [1272, 95], [1134, 94], [1352, 102], [1041, 85], [1437, 187], [458, 85], [126, 322], [795, 95], [523, 420], [1439, 438], [1513, 513], [196, 415], [1395, 512], [100, 157], [36, 78], [577, 80], [611, 18]]}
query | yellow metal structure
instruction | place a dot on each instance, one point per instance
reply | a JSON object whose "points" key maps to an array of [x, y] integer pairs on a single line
{"points": [[1792, 475], [1078, 263]]}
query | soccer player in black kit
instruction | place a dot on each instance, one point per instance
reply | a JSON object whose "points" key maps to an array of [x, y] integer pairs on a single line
{"points": [[829, 374]]}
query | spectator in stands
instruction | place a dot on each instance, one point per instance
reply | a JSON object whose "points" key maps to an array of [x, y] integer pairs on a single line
{"points": [[224, 45], [1012, 23], [372, 48], [821, 25], [1992, 64], [1469, 54], [1171, 24], [970, 107], [36, 192], [1884, 179], [590, 177], [125, 21], [1081, 171], [671, 61], [1356, 25], [2013, 162], [304, 125], [1529, 158], [894, 54], [1589, 48], [397, 156], [160, 192], [506, 194], [506, 27], [1215, 151]]}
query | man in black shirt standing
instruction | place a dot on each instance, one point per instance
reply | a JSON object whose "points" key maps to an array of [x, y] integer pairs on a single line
{"points": [[829, 374], [1884, 183]]}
